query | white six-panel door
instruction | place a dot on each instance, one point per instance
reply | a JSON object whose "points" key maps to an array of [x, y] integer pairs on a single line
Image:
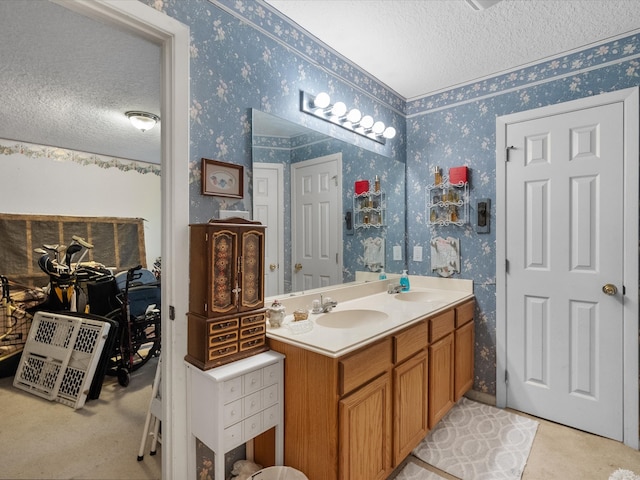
{"points": [[567, 263], [268, 208], [564, 243], [316, 206]]}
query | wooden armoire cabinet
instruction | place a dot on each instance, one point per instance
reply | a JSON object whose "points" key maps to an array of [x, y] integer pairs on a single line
{"points": [[226, 292]]}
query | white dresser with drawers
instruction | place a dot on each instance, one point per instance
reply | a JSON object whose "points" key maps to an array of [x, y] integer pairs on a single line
{"points": [[231, 404]]}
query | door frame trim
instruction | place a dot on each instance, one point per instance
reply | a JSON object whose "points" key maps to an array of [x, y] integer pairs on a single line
{"points": [[630, 99], [173, 36]]}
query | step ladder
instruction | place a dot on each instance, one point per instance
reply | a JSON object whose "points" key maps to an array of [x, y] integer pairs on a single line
{"points": [[154, 416]]}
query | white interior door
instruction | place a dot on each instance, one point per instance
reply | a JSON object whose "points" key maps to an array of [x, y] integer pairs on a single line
{"points": [[268, 209], [564, 243], [316, 206]]}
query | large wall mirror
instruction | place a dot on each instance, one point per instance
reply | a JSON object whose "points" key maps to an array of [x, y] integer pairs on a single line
{"points": [[292, 168]]}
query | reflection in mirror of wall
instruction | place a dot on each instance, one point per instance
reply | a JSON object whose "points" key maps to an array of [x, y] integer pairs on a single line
{"points": [[281, 144]]}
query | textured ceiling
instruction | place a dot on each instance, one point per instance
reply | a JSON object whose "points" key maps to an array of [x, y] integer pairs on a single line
{"points": [[66, 80], [417, 47]]}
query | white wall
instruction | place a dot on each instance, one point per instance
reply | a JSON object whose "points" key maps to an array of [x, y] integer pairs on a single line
{"points": [[53, 181]]}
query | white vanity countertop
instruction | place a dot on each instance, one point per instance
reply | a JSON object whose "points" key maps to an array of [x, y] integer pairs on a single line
{"points": [[399, 312]]}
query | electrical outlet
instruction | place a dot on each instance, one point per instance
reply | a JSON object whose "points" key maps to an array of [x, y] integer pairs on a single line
{"points": [[417, 253], [397, 252]]}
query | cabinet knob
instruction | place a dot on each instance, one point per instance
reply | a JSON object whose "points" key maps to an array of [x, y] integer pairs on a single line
{"points": [[272, 266]]}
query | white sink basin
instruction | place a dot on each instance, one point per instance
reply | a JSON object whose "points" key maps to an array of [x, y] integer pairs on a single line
{"points": [[350, 318], [423, 297]]}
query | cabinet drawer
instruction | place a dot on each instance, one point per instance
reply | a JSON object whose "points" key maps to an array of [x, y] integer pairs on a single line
{"points": [[217, 340], [253, 426], [252, 404], [233, 435], [215, 328], [270, 395], [222, 351], [271, 374], [252, 330], [441, 325], [364, 365], [410, 341], [464, 313], [252, 342], [232, 412], [271, 416], [252, 320], [252, 381], [232, 389]]}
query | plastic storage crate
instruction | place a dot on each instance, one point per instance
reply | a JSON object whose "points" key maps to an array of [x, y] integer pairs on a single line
{"points": [[60, 357]]}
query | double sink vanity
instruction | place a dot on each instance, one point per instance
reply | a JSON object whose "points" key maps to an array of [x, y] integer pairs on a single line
{"points": [[366, 381]]}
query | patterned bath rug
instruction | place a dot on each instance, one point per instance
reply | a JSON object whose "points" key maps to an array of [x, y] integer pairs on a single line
{"points": [[621, 474], [475, 441], [412, 471]]}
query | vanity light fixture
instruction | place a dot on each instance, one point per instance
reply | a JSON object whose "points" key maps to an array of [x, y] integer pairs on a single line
{"points": [[143, 121], [320, 106]]}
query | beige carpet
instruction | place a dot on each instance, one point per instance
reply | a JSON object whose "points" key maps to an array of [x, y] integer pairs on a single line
{"points": [[41, 439], [475, 441]]}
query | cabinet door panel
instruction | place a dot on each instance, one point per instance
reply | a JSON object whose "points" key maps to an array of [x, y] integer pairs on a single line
{"points": [[441, 358], [252, 274], [365, 432], [222, 262], [410, 387], [464, 346]]}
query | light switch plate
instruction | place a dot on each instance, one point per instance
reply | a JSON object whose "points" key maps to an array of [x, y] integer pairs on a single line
{"points": [[483, 211], [417, 253], [397, 252]]}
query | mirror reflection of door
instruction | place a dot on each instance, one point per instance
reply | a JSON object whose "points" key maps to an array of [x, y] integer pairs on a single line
{"points": [[268, 208], [316, 204]]}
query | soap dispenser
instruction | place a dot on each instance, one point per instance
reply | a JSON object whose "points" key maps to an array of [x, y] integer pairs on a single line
{"points": [[382, 276], [404, 281]]}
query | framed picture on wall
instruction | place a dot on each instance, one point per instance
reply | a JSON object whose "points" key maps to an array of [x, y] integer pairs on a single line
{"points": [[222, 179]]}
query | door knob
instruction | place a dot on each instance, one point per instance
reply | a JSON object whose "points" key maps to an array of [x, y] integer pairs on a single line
{"points": [[272, 266], [297, 267], [610, 289]]}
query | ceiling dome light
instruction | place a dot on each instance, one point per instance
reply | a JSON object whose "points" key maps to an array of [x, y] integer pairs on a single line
{"points": [[354, 115], [339, 109], [366, 122], [378, 128], [389, 132], [143, 121], [322, 100]]}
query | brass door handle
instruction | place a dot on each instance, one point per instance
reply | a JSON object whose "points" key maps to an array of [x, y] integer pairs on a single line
{"points": [[610, 289], [297, 267], [272, 266]]}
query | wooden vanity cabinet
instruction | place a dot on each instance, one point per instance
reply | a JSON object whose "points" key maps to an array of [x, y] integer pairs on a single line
{"points": [[358, 416], [464, 349]]}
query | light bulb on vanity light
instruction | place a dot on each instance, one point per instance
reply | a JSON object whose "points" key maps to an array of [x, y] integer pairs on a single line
{"points": [[378, 128], [322, 100], [366, 122], [389, 133], [339, 109], [354, 115]]}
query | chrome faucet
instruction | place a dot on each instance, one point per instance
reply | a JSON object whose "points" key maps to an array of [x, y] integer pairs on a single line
{"points": [[391, 288], [327, 304]]}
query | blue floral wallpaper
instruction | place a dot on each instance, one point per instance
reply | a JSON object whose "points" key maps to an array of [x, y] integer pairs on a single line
{"points": [[244, 55]]}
